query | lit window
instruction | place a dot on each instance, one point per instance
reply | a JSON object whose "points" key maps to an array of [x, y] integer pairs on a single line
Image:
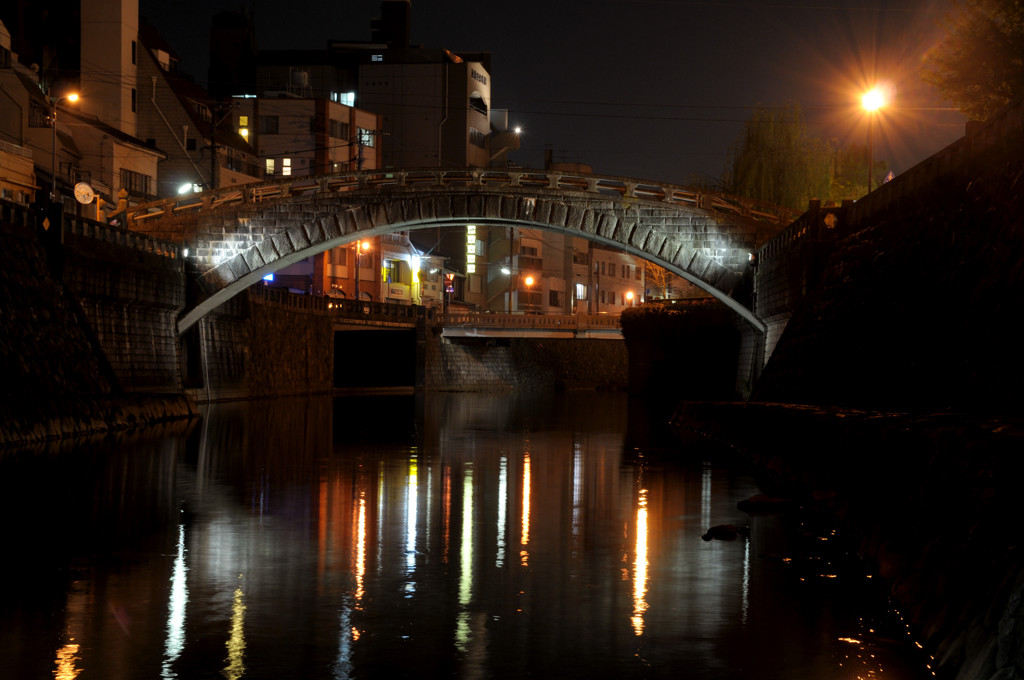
{"points": [[270, 166], [243, 121], [286, 166], [377, 57]]}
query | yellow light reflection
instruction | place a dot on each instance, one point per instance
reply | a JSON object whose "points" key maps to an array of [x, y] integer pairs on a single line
{"points": [[640, 566], [236, 640], [360, 547], [66, 658], [524, 554]]}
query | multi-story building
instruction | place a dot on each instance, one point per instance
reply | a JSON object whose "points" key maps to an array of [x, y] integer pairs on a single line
{"points": [[203, 148], [434, 108], [92, 53]]}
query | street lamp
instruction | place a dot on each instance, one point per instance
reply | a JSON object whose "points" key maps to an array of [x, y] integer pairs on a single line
{"points": [[360, 245], [872, 101], [53, 141], [629, 296], [529, 284]]}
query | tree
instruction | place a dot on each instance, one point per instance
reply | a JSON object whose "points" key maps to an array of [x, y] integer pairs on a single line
{"points": [[658, 278], [776, 161], [979, 65], [850, 173]]}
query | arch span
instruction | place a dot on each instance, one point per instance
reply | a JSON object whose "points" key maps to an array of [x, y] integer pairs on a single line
{"points": [[239, 236]]}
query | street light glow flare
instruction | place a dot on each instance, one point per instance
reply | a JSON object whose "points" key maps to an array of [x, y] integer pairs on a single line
{"points": [[873, 99]]}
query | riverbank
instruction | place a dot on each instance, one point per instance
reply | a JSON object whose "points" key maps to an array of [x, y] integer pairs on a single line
{"points": [[30, 422], [930, 498]]}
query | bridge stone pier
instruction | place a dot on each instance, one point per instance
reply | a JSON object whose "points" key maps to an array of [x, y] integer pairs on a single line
{"points": [[237, 236]]}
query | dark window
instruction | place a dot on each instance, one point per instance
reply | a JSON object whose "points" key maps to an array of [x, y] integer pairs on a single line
{"points": [[555, 298], [190, 144], [133, 51], [477, 138], [339, 130], [136, 183], [611, 269], [476, 102], [134, 100], [39, 116]]}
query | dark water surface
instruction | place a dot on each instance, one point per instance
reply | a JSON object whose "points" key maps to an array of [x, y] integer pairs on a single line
{"points": [[441, 535]]}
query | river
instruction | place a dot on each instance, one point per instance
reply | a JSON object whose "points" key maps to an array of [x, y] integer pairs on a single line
{"points": [[423, 536]]}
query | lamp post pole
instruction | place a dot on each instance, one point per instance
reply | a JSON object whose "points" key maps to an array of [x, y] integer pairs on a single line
{"points": [[357, 271], [53, 141], [872, 100]]}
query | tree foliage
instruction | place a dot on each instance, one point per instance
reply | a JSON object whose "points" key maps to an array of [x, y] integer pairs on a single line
{"points": [[850, 173], [979, 65], [776, 161]]}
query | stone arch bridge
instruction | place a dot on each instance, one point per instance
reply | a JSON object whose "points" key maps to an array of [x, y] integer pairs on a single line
{"points": [[236, 236]]}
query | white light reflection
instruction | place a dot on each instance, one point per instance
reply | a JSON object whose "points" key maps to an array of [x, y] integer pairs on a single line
{"points": [[410, 526], [746, 581], [705, 495], [524, 554], [348, 633], [640, 566], [462, 632], [175, 642], [499, 560]]}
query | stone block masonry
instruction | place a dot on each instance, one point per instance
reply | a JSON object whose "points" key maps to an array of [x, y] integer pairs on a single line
{"points": [[131, 299], [507, 364]]}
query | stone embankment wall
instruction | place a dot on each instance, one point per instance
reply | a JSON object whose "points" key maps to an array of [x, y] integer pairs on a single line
{"points": [[913, 307], [930, 500], [131, 297], [689, 351], [261, 344], [56, 378], [919, 292], [523, 364]]}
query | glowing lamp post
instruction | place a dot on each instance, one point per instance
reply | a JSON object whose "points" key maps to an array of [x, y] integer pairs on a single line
{"points": [[629, 296], [872, 101], [360, 246], [529, 285], [53, 141]]}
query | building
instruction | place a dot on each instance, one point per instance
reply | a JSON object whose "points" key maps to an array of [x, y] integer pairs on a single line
{"points": [[94, 141], [204, 150]]}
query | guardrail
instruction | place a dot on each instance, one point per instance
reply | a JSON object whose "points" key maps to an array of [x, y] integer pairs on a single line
{"points": [[370, 180], [552, 321], [81, 226]]}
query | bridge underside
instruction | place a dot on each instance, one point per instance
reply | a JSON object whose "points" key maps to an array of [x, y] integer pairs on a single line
{"points": [[239, 245]]}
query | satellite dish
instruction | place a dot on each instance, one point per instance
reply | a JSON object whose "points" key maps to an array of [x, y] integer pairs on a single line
{"points": [[84, 193]]}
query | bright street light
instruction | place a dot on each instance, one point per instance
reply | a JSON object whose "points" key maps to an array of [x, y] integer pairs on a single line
{"points": [[872, 101], [360, 246], [73, 97]]}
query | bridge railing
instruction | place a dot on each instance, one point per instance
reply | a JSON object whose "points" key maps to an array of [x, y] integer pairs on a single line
{"points": [[531, 321], [370, 180]]}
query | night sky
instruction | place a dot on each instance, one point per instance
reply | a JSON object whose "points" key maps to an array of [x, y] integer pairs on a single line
{"points": [[651, 89]]}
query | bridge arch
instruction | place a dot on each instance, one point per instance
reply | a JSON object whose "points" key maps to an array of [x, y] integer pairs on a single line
{"points": [[242, 234]]}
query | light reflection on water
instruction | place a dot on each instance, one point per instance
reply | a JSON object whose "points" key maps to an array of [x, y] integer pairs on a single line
{"points": [[436, 536]]}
